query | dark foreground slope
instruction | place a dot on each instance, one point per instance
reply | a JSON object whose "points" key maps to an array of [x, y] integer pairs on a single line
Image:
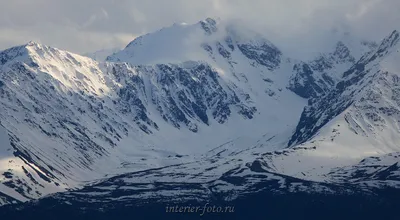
{"points": [[266, 199], [263, 205]]}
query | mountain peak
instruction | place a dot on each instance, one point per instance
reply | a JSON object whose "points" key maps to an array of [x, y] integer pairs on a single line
{"points": [[394, 32], [392, 39], [212, 20], [389, 41], [209, 25], [42, 51], [385, 47], [34, 46], [32, 43], [37, 53]]}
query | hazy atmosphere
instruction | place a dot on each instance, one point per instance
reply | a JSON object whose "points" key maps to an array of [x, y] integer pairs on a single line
{"points": [[90, 25]]}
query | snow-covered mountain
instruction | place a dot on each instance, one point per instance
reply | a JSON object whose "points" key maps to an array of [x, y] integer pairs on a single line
{"points": [[209, 104], [76, 116]]}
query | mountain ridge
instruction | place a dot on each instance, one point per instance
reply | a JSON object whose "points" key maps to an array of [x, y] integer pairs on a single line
{"points": [[72, 121]]}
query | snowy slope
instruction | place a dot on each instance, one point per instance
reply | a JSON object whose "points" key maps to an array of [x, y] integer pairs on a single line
{"points": [[174, 44], [5, 154]]}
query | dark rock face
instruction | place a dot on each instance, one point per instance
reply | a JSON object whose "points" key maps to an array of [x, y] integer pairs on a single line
{"points": [[311, 80], [182, 96], [200, 91], [207, 48], [340, 55], [303, 82], [229, 42], [266, 54], [223, 52], [130, 100], [209, 26]]}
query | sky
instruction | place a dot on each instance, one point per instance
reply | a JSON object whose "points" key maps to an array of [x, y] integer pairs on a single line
{"points": [[84, 26]]}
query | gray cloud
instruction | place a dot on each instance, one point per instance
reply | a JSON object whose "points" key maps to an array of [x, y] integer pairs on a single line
{"points": [[88, 25]]}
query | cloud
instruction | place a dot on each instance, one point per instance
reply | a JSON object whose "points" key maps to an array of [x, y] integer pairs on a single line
{"points": [[84, 26]]}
